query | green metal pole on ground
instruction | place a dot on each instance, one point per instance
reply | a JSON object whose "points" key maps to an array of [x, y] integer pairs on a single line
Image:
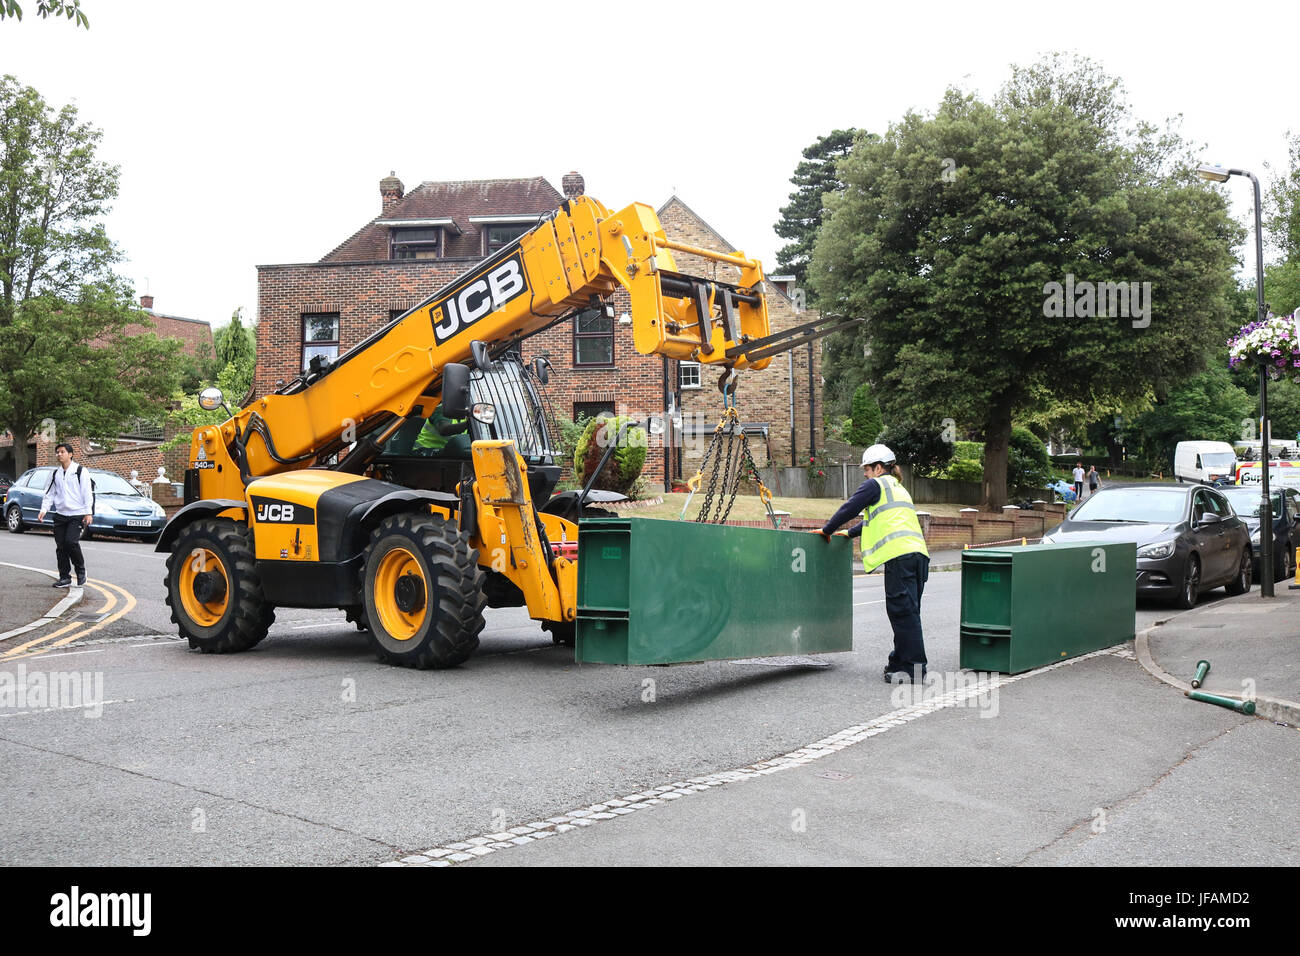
{"points": [[1240, 706], [1202, 668]]}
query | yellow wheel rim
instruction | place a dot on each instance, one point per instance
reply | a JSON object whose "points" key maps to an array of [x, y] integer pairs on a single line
{"points": [[204, 613], [395, 565]]}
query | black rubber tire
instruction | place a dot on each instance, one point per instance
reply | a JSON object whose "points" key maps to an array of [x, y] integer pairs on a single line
{"points": [[247, 617], [1241, 582], [1283, 562], [14, 520], [356, 614], [1191, 584], [454, 598]]}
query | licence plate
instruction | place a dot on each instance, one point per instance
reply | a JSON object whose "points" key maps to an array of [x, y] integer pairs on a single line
{"points": [[139, 523]]}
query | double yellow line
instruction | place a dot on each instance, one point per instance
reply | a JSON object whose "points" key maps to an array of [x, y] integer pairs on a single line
{"points": [[77, 629]]}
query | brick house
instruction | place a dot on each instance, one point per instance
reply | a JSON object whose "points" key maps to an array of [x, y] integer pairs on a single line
{"points": [[138, 447], [425, 238]]}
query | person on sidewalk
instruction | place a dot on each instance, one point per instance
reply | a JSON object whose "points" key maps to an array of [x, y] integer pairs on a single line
{"points": [[891, 535], [1094, 480], [71, 499], [1078, 481]]}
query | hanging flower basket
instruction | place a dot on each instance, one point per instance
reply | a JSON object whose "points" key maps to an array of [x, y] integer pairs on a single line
{"points": [[1273, 343]]}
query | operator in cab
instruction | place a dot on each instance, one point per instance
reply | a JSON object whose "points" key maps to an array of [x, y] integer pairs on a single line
{"points": [[443, 436], [891, 535]]}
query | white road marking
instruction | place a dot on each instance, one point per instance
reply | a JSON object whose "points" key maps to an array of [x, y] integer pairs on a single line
{"points": [[461, 851], [865, 603]]}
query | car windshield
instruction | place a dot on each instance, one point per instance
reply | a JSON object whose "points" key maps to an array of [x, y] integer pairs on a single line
{"points": [[107, 483], [1246, 501], [1147, 505], [1218, 460]]}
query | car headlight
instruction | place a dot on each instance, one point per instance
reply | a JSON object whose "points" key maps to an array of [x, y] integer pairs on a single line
{"points": [[105, 509], [1161, 549]]}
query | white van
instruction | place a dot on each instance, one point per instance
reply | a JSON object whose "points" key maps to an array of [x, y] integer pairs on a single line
{"points": [[1205, 461]]}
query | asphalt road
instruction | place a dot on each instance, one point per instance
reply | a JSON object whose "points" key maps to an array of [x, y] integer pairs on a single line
{"points": [[306, 750]]}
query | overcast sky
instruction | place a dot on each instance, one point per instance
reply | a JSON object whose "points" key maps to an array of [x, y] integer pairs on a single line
{"points": [[257, 132]]}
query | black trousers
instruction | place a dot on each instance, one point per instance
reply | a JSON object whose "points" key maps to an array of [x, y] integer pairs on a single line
{"points": [[67, 545], [905, 578]]}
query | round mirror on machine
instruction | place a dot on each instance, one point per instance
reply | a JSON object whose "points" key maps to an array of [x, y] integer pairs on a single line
{"points": [[210, 399], [484, 412]]}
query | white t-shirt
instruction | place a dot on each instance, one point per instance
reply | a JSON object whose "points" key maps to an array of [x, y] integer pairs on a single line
{"points": [[1078, 474]]}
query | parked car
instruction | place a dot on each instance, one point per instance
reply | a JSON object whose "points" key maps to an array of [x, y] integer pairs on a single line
{"points": [[5, 482], [119, 508], [1188, 538], [1285, 504]]}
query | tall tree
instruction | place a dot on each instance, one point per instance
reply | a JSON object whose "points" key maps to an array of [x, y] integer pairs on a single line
{"points": [[68, 353], [1282, 204], [802, 217], [47, 8], [236, 345], [975, 241]]}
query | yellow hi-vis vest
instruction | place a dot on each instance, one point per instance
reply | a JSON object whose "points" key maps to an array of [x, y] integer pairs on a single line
{"points": [[890, 526]]}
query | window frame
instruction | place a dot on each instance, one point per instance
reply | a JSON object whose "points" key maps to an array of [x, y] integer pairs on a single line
{"points": [[699, 378], [304, 343], [579, 336], [485, 245], [395, 242]]}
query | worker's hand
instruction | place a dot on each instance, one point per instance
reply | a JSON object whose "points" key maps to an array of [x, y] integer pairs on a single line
{"points": [[824, 535]]}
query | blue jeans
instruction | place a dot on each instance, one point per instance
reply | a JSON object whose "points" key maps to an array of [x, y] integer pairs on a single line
{"points": [[905, 578]]}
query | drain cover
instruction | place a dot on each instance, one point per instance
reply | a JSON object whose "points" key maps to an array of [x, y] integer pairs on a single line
{"points": [[834, 775]]}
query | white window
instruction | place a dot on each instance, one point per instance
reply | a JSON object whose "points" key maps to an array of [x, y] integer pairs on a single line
{"points": [[688, 374]]}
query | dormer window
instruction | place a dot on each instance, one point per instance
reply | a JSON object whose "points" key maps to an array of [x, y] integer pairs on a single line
{"points": [[499, 231], [419, 242]]}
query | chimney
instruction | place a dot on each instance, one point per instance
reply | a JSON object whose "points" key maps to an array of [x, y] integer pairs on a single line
{"points": [[146, 302], [390, 191], [573, 184]]}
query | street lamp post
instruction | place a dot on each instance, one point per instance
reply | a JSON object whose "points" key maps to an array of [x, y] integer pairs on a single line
{"points": [[1218, 174]]}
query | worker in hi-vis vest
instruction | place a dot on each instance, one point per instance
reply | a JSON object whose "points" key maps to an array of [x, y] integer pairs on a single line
{"points": [[443, 436], [891, 535]]}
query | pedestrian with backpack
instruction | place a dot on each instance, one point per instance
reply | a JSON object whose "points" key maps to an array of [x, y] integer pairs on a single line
{"points": [[71, 497]]}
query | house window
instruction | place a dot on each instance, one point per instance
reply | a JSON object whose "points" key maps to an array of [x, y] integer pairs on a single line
{"points": [[320, 336], [688, 374], [591, 410], [495, 237], [415, 243], [593, 338]]}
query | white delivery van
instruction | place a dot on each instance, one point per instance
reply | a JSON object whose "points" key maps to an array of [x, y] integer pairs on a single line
{"points": [[1205, 461]]}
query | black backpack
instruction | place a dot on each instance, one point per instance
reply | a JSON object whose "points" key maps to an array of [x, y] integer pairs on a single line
{"points": [[54, 473]]}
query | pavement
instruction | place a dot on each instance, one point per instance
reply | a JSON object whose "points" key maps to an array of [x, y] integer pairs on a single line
{"points": [[26, 596], [892, 791]]}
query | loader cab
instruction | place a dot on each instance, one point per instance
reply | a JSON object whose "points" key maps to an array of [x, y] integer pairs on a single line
{"points": [[503, 404]]}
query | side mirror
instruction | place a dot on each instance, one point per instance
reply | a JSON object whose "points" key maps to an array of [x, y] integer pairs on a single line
{"points": [[1208, 519], [210, 399], [455, 390], [542, 370]]}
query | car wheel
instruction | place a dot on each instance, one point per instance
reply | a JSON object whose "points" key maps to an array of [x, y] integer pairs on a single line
{"points": [[1241, 583], [1285, 564], [14, 520], [1191, 583]]}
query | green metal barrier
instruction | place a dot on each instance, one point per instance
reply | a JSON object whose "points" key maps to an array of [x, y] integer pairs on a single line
{"points": [[667, 592], [1024, 607]]}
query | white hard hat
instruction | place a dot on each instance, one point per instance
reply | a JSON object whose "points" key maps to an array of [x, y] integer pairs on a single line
{"points": [[877, 455]]}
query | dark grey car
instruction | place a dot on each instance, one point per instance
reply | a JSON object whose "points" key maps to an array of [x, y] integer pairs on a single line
{"points": [[1285, 507], [1188, 538]]}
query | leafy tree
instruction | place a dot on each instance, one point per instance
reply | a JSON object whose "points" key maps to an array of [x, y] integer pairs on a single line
{"points": [[802, 217], [952, 229], [867, 422], [236, 344], [47, 8], [1028, 467], [920, 445], [1282, 205], [66, 351], [1209, 407], [629, 456], [186, 415]]}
